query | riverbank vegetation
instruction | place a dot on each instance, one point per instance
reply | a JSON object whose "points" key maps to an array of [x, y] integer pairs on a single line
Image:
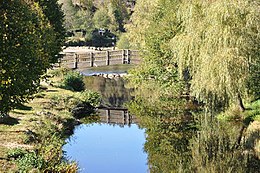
{"points": [[33, 135]]}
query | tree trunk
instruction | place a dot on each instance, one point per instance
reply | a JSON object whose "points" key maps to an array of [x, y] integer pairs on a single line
{"points": [[239, 139], [240, 103]]}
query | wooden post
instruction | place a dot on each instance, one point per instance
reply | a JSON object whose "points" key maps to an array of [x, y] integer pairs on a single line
{"points": [[60, 56], [91, 59], [123, 114], [128, 56], [108, 115], [123, 56], [59, 62], [128, 121], [75, 61], [107, 58]]}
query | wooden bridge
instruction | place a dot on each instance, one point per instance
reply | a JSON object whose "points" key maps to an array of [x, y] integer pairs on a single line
{"points": [[81, 60], [119, 116]]}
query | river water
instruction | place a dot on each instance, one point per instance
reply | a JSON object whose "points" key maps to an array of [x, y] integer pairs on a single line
{"points": [[112, 147], [104, 148]]}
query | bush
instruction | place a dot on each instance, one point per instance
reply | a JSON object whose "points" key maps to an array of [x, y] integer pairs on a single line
{"points": [[16, 153], [91, 97], [88, 100], [74, 81], [26, 160]]}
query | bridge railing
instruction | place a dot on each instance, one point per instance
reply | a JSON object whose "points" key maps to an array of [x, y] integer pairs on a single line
{"points": [[80, 60]]}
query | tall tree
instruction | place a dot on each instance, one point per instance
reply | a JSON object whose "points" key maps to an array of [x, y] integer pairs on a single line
{"points": [[101, 19], [157, 72], [118, 11], [54, 14], [26, 42]]}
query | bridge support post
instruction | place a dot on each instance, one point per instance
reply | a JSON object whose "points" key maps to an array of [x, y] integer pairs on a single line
{"points": [[91, 59], [123, 56], [128, 56], [108, 115], [75, 61], [107, 58], [128, 118], [124, 117]]}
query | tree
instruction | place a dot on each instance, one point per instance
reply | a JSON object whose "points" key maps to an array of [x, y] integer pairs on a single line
{"points": [[118, 11], [219, 44], [213, 44], [26, 42], [55, 16], [156, 80], [70, 12], [140, 21], [101, 18]]}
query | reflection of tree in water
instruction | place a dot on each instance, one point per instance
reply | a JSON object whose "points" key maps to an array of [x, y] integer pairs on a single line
{"points": [[179, 144], [167, 144], [113, 91], [218, 147]]}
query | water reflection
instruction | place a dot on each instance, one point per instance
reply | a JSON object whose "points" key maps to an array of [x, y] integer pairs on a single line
{"points": [[118, 116], [103, 148], [167, 144], [210, 146], [113, 91]]}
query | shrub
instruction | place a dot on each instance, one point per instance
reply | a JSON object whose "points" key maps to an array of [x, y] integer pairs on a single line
{"points": [[91, 97], [88, 100], [74, 81], [16, 153], [30, 161], [26, 160]]}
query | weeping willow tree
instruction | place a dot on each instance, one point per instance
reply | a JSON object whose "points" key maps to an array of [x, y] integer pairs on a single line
{"points": [[220, 45], [215, 42]]}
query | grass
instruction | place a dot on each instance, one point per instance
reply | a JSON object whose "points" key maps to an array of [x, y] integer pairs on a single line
{"points": [[13, 131], [40, 125], [252, 113]]}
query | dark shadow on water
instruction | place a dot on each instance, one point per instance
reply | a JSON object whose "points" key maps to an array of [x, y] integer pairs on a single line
{"points": [[113, 91]]}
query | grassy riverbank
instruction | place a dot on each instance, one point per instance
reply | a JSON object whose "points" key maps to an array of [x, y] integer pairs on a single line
{"points": [[33, 136]]}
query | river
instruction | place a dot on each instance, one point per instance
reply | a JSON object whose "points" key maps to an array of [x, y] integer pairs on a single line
{"points": [[112, 146]]}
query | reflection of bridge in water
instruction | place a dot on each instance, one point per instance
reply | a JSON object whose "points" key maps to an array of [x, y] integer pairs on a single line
{"points": [[119, 116]]}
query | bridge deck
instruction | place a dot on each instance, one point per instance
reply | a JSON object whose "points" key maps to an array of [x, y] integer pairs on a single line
{"points": [[81, 60]]}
